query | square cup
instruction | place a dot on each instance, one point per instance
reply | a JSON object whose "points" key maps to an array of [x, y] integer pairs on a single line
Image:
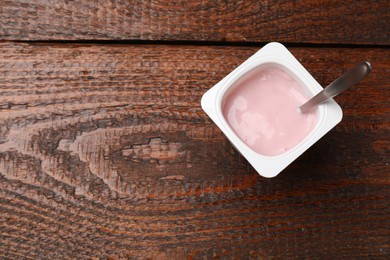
{"points": [[273, 55]]}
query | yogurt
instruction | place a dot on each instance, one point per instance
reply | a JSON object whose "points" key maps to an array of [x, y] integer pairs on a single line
{"points": [[262, 109]]}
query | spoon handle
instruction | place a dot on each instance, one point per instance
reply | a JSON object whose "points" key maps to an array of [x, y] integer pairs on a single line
{"points": [[351, 77]]}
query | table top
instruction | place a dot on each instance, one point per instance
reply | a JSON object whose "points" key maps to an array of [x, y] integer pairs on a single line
{"points": [[106, 152]]}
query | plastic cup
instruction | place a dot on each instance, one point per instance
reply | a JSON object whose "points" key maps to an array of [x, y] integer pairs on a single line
{"points": [[274, 55]]}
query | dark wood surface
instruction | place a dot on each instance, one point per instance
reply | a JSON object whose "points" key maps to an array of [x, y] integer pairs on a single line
{"points": [[106, 153], [308, 21]]}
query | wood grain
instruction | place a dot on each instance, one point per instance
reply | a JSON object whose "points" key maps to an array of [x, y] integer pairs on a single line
{"points": [[348, 22], [105, 152]]}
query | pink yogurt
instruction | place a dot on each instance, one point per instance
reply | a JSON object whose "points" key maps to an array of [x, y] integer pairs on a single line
{"points": [[262, 111]]}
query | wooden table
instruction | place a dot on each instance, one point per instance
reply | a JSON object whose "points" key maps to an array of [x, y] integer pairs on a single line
{"points": [[105, 151]]}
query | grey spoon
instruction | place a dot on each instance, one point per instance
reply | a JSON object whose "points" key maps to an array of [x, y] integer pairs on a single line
{"points": [[351, 77]]}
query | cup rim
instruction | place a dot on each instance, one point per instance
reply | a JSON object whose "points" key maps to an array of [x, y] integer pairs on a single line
{"points": [[255, 64]]}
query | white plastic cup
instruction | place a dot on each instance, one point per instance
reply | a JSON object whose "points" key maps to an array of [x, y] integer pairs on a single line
{"points": [[275, 55]]}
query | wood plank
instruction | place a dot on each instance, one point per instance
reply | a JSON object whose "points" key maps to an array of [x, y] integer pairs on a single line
{"points": [[105, 152], [348, 22]]}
